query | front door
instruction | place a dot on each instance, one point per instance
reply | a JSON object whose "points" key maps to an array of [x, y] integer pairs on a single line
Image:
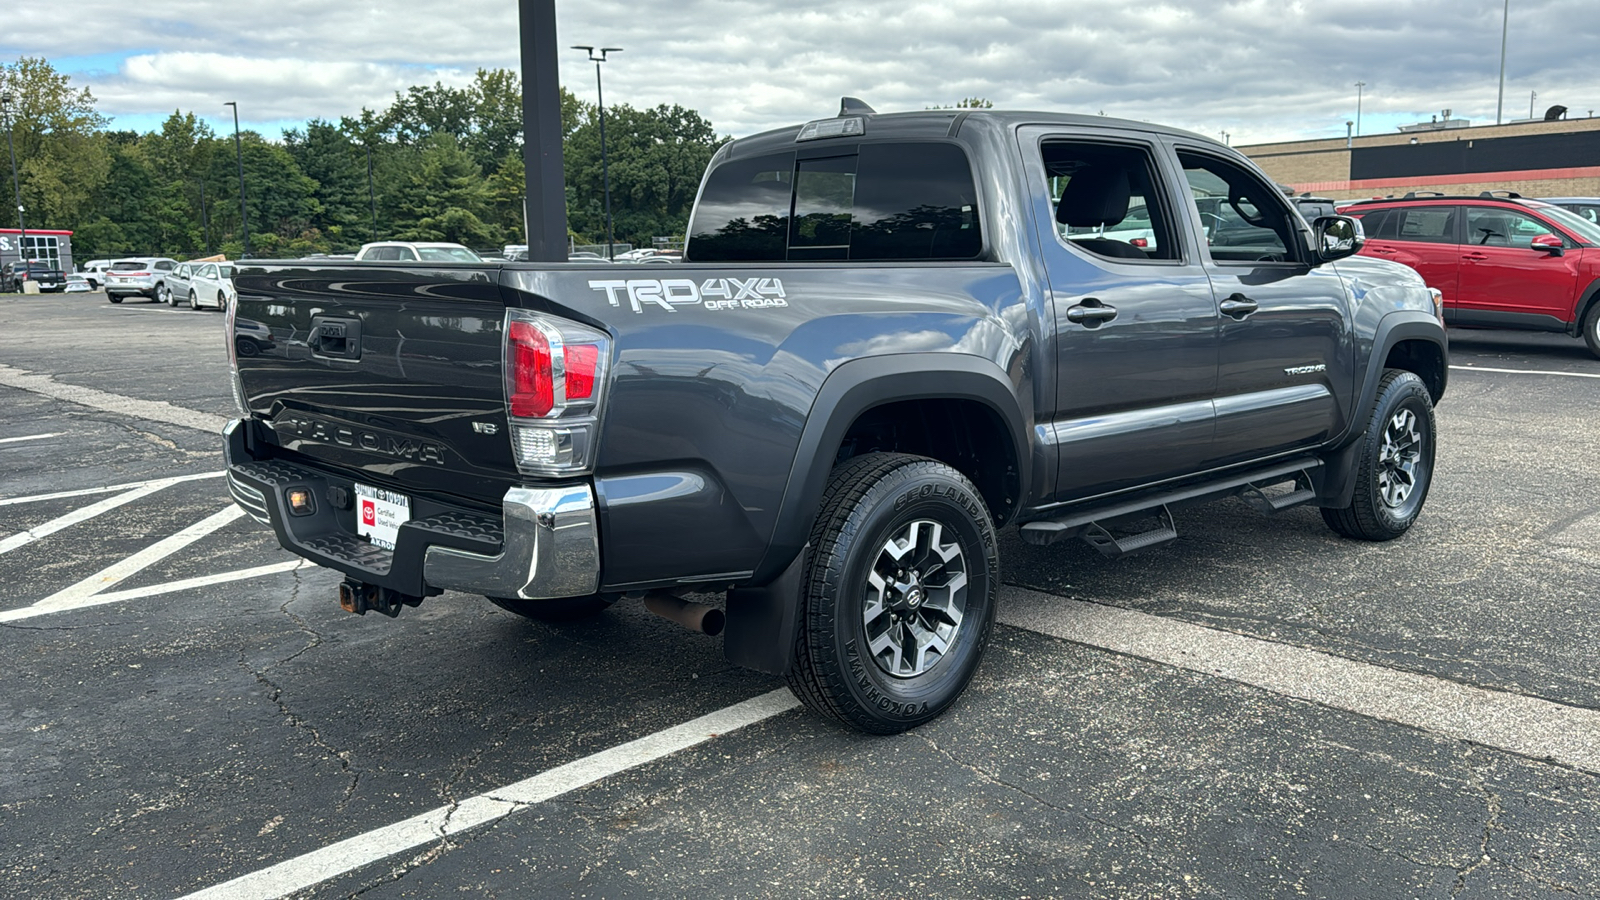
{"points": [[1135, 327], [1504, 280], [1285, 350]]}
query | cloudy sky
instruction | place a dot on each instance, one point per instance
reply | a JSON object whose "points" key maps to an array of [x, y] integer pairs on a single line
{"points": [[1256, 69]]}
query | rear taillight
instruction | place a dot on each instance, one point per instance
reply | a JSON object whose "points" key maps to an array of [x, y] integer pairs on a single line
{"points": [[555, 381]]}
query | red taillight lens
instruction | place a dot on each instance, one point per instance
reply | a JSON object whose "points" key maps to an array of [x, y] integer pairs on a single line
{"points": [[1141, 243], [582, 360], [532, 380]]}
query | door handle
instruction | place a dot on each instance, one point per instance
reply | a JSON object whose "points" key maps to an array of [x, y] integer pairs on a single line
{"points": [[1475, 257], [1384, 250], [1238, 306], [1090, 313]]}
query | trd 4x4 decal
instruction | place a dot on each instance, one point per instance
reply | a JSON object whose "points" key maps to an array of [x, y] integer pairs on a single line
{"points": [[713, 293]]}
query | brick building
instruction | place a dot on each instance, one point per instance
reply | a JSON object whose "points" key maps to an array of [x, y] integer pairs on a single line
{"points": [[1536, 159]]}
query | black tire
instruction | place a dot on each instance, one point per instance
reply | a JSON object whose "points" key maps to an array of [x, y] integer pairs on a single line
{"points": [[248, 347], [222, 302], [1396, 463], [165, 295], [155, 292], [1591, 329], [114, 298], [564, 609], [841, 669]]}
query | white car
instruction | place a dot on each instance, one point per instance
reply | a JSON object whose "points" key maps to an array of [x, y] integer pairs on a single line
{"points": [[78, 284], [94, 272], [211, 285], [413, 251], [143, 276]]}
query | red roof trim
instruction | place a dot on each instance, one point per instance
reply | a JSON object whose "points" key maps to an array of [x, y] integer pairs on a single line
{"points": [[34, 231], [1373, 184]]}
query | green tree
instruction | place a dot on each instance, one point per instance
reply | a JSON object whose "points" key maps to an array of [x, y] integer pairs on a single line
{"points": [[656, 157], [439, 194], [62, 156], [325, 153]]}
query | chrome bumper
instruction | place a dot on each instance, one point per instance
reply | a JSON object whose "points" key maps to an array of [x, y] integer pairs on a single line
{"points": [[545, 545], [552, 549]]}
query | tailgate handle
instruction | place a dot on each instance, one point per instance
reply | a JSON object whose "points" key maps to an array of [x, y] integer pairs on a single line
{"points": [[333, 338]]}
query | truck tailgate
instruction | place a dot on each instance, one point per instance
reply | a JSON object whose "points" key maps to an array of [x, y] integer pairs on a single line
{"points": [[390, 372]]}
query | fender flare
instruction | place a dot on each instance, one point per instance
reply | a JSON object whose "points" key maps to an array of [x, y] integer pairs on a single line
{"points": [[1338, 474], [1589, 297], [761, 618]]}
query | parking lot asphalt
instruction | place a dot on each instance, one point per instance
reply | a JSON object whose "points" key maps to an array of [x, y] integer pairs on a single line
{"points": [[183, 708]]}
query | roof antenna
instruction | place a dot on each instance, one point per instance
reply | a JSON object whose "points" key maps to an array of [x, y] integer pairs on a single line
{"points": [[850, 106]]}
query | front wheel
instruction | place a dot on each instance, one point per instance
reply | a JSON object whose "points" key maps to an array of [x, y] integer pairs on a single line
{"points": [[1396, 463], [900, 585], [1591, 329], [222, 302]]}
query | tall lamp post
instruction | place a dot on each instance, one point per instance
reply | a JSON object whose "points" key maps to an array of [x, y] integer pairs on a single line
{"points": [[16, 182], [605, 164], [1360, 86], [1505, 26], [238, 149]]}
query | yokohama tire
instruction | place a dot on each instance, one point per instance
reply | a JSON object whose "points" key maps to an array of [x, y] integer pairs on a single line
{"points": [[1396, 463], [1591, 329], [564, 609], [898, 594]]}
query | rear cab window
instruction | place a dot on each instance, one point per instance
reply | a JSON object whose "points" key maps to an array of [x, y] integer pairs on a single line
{"points": [[873, 202], [1107, 200]]}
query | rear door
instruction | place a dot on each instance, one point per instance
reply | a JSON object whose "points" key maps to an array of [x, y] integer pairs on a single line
{"points": [[1502, 275], [392, 373], [1426, 238], [1285, 351], [1135, 328]]}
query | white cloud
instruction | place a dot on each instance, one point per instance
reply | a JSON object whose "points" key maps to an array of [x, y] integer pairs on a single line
{"points": [[1260, 69]]}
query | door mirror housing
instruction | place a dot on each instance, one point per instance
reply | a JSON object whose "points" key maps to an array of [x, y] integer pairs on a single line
{"points": [[1337, 237], [1549, 243]]}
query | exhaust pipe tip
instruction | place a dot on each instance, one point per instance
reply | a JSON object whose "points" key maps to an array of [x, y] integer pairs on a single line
{"points": [[707, 620]]}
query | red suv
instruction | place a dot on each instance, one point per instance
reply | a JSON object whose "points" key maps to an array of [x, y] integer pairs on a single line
{"points": [[1500, 261]]}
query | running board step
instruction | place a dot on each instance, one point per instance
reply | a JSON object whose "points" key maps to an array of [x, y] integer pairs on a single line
{"points": [[1098, 537], [1268, 504]]}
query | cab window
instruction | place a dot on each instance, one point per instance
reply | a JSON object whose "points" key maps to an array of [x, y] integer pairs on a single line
{"points": [[1243, 218], [1107, 201]]}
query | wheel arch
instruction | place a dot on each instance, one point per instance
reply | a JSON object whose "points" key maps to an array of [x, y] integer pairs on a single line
{"points": [[1586, 302]]}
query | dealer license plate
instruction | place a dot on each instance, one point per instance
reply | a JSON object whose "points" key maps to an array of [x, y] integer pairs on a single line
{"points": [[380, 513]]}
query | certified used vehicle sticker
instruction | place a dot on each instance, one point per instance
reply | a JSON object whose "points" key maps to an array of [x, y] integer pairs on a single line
{"points": [[712, 293], [380, 513]]}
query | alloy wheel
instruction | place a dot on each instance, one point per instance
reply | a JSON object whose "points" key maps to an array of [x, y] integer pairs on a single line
{"points": [[916, 598], [1399, 458]]}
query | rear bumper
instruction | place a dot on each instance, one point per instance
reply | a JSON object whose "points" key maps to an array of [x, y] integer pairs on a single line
{"points": [[544, 545]]}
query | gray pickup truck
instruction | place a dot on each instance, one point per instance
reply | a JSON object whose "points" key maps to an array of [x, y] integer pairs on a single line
{"points": [[891, 335]]}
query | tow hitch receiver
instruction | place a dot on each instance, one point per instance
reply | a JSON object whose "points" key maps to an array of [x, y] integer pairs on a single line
{"points": [[358, 597]]}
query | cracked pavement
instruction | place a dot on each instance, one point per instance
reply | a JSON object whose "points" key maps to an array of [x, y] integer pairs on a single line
{"points": [[167, 743]]}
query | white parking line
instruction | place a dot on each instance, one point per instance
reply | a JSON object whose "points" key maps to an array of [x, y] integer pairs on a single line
{"points": [[437, 824], [1528, 726], [24, 538], [1525, 372], [84, 492], [84, 593], [31, 437]]}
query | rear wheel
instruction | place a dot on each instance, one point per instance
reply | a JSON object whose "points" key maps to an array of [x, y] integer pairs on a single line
{"points": [[563, 609], [114, 298], [1396, 465], [899, 593], [1591, 329]]}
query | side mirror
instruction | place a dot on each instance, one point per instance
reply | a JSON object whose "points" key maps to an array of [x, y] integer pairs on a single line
{"points": [[1549, 243], [1338, 237]]}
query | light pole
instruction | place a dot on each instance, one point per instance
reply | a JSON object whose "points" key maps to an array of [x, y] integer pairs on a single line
{"points": [[16, 183], [1505, 24], [1348, 140], [238, 149], [372, 195], [605, 164], [1360, 86]]}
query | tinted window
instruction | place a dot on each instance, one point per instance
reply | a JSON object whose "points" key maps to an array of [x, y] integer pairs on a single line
{"points": [[1244, 219], [824, 200], [130, 266], [1087, 183], [164, 266], [1496, 227], [743, 212], [915, 201], [1433, 225]]}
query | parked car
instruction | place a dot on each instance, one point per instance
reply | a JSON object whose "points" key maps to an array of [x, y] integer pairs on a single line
{"points": [[175, 289], [77, 284], [48, 277], [138, 276], [250, 337], [1500, 261], [1312, 208], [94, 271], [1586, 207], [410, 251], [887, 354], [211, 285]]}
